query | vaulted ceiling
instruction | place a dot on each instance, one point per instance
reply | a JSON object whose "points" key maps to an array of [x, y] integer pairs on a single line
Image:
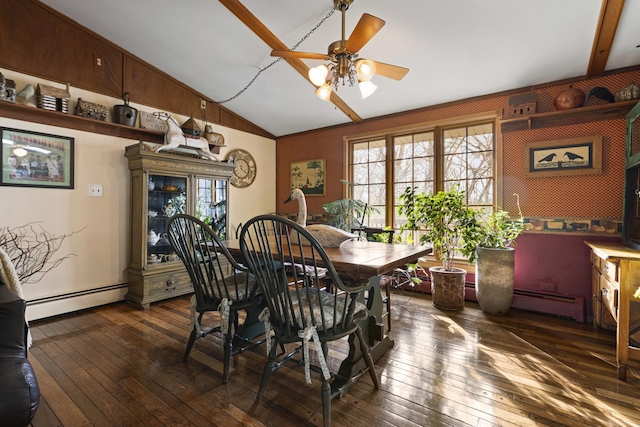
{"points": [[455, 49]]}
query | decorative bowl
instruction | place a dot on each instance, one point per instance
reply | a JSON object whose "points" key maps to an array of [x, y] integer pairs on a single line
{"points": [[153, 214], [170, 188]]}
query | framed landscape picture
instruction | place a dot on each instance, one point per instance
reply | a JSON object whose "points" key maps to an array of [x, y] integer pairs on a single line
{"points": [[575, 156], [33, 159], [308, 175]]}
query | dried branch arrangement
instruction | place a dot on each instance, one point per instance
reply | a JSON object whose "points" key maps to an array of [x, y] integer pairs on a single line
{"points": [[32, 249]]}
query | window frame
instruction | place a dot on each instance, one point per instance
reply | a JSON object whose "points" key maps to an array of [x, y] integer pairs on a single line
{"points": [[437, 127]]}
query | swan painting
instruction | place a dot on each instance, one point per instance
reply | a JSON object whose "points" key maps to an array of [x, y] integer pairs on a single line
{"points": [[328, 236]]}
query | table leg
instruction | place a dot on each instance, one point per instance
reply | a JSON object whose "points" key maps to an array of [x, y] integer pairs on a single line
{"points": [[354, 366], [251, 327]]}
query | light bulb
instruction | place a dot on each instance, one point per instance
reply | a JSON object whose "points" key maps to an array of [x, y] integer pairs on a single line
{"points": [[324, 92], [20, 152], [318, 75], [366, 69], [367, 88]]}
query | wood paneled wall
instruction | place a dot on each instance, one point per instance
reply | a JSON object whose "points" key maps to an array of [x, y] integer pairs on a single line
{"points": [[39, 41]]}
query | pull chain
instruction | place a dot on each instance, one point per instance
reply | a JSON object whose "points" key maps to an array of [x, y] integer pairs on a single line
{"points": [[280, 59]]}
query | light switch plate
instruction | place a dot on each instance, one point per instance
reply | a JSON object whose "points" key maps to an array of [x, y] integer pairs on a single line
{"points": [[95, 190]]}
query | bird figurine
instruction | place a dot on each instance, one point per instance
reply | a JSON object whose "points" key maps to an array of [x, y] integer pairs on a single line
{"points": [[25, 96], [600, 92], [328, 236]]}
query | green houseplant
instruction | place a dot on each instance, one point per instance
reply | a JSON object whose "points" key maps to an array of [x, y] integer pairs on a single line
{"points": [[347, 214], [449, 226], [495, 260]]}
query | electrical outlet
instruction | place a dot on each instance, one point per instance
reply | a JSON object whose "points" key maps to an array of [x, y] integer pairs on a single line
{"points": [[95, 190], [203, 104]]}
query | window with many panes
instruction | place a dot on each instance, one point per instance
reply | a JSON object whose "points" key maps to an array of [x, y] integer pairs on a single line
{"points": [[431, 160], [211, 205]]}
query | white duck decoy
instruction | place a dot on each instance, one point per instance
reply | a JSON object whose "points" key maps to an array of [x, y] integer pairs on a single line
{"points": [[328, 236]]}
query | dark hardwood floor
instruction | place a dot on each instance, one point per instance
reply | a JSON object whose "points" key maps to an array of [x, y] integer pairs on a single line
{"points": [[119, 366]]}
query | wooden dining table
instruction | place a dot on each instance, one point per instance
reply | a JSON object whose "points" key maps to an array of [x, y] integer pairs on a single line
{"points": [[363, 259]]}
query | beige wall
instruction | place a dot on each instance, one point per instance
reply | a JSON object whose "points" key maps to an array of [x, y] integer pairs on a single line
{"points": [[102, 224]]}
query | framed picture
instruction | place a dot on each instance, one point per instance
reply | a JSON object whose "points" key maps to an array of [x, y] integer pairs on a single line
{"points": [[308, 175], [576, 156], [33, 159]]}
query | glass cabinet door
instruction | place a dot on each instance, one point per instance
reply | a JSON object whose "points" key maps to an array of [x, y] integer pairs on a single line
{"points": [[211, 204], [167, 196]]}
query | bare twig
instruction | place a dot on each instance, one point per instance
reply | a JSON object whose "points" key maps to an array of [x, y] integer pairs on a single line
{"points": [[32, 249]]}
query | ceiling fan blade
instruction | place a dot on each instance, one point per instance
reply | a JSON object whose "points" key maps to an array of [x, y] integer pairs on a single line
{"points": [[391, 71], [367, 27], [294, 54]]}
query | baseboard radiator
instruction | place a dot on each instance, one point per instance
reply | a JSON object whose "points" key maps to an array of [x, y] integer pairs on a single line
{"points": [[40, 308], [539, 302], [561, 305]]}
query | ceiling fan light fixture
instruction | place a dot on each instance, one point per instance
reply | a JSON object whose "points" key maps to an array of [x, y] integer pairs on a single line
{"points": [[324, 92], [318, 75], [366, 69], [367, 88]]}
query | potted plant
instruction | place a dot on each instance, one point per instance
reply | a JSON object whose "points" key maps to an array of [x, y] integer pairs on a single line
{"points": [[495, 259], [447, 225], [347, 214]]}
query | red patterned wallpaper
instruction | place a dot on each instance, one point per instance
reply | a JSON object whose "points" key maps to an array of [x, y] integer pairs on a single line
{"points": [[582, 196]]}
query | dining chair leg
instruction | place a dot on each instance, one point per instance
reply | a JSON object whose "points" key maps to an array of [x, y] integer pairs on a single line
{"points": [[326, 403], [192, 339], [269, 367], [364, 349], [228, 346]]}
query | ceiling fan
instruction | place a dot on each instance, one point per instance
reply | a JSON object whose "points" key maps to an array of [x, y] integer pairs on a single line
{"points": [[344, 65]]}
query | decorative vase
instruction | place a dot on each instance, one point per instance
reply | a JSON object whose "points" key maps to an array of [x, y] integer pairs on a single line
{"points": [[494, 279], [169, 210], [569, 98], [447, 288], [152, 185]]}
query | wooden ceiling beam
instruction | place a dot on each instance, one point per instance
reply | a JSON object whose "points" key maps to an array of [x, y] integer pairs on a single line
{"points": [[255, 25], [610, 12]]}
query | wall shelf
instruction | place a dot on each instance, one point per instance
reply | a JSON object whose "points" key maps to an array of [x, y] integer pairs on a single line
{"points": [[56, 118], [574, 116]]}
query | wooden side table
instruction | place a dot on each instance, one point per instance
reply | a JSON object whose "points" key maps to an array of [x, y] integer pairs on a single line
{"points": [[615, 279]]}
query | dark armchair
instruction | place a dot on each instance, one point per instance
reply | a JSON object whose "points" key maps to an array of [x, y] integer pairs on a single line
{"points": [[300, 309], [19, 391]]}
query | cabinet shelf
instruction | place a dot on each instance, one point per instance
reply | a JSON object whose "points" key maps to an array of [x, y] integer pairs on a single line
{"points": [[56, 118], [616, 110]]}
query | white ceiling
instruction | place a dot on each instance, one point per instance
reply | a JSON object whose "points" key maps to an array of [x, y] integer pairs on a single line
{"points": [[455, 49]]}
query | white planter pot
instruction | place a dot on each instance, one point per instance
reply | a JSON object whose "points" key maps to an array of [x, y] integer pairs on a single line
{"points": [[494, 279]]}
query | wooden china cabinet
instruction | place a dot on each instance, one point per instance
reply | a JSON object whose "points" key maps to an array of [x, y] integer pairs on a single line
{"points": [[163, 184]]}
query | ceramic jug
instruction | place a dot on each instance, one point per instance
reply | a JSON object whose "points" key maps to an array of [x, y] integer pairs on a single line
{"points": [[152, 185], [152, 237], [169, 210]]}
